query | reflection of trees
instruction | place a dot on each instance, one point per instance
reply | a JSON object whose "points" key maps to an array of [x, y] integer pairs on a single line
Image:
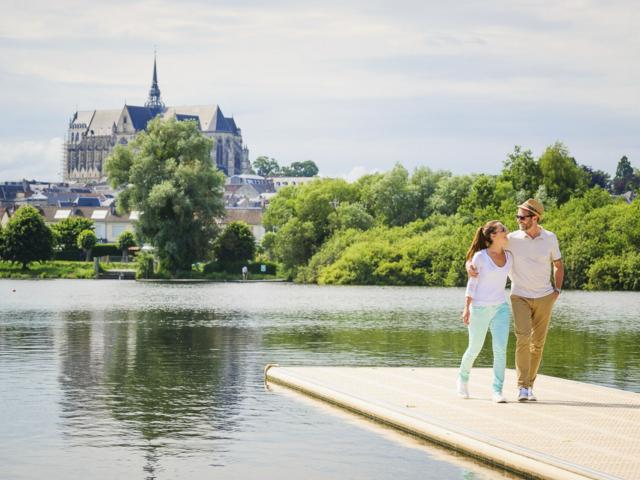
{"points": [[604, 358], [161, 375], [384, 346], [176, 376]]}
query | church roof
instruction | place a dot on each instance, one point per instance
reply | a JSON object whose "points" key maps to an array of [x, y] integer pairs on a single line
{"points": [[82, 118], [140, 116], [103, 121], [232, 124]]}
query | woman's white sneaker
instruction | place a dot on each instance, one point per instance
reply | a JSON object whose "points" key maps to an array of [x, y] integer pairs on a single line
{"points": [[530, 396], [499, 398], [462, 388]]}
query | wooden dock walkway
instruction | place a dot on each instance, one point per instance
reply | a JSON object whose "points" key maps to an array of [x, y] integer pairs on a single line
{"points": [[574, 431]]}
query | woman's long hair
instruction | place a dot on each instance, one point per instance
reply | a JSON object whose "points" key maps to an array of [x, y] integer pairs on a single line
{"points": [[482, 238]]}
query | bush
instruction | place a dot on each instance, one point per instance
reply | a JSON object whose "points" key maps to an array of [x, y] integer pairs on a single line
{"points": [[104, 249], [235, 244], [144, 265], [66, 232], [615, 273]]}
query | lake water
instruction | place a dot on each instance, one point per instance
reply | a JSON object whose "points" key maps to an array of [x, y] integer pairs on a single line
{"points": [[108, 379]]}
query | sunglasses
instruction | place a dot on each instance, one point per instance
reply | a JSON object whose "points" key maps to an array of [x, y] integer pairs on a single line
{"points": [[522, 217]]}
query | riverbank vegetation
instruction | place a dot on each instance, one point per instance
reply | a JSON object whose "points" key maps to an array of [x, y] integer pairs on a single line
{"points": [[397, 228]]}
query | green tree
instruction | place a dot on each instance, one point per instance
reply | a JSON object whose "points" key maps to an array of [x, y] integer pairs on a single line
{"points": [[26, 238], [350, 215], [523, 171], [235, 244], [450, 193], [597, 178], [625, 178], [307, 168], [166, 173], [489, 197], [561, 175], [265, 166], [66, 233], [294, 245], [391, 198], [125, 241], [86, 241], [281, 208], [424, 182]]}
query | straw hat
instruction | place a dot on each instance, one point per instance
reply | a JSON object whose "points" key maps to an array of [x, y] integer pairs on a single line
{"points": [[534, 206]]}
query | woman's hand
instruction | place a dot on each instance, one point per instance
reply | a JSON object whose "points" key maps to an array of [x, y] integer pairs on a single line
{"points": [[466, 315]]}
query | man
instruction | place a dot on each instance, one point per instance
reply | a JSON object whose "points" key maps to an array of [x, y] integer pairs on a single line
{"points": [[535, 250]]}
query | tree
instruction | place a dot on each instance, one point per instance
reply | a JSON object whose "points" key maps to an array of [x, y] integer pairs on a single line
{"points": [[294, 244], [307, 168], [391, 198], [350, 215], [450, 193], [523, 171], [27, 238], [597, 178], [86, 241], [235, 244], [125, 241], [265, 166], [561, 175], [66, 233], [625, 178], [166, 173], [424, 181]]}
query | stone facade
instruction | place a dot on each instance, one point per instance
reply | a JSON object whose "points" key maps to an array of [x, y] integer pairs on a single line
{"points": [[93, 134]]}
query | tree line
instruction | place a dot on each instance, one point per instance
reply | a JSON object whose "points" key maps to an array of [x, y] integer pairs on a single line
{"points": [[27, 238], [403, 228], [269, 167]]}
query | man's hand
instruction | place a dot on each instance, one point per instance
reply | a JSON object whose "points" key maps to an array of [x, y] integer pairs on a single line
{"points": [[472, 271], [466, 315]]}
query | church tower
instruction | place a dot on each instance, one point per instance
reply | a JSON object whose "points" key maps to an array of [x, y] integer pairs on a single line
{"points": [[154, 102]]}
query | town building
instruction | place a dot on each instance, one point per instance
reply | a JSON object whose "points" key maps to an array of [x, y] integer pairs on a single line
{"points": [[108, 224], [280, 182], [93, 134]]}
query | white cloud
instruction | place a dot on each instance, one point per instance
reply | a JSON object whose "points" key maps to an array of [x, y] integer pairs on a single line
{"points": [[357, 172], [31, 160]]}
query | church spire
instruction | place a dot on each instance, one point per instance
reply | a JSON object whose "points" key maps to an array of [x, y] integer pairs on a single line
{"points": [[154, 102]]}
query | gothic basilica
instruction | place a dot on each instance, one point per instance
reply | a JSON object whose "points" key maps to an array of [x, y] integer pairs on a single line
{"points": [[93, 134]]}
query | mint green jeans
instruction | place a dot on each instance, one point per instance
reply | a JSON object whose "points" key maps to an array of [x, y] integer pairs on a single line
{"points": [[495, 318]]}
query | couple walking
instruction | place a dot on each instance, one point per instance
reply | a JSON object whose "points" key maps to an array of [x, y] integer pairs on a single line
{"points": [[526, 256]]}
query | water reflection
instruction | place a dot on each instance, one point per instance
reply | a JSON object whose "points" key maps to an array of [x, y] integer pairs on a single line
{"points": [[159, 380]]}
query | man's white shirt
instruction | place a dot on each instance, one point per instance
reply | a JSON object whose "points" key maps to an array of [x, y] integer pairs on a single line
{"points": [[532, 263]]}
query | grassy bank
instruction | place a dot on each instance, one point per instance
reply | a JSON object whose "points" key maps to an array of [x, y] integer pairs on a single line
{"points": [[71, 269], [51, 269]]}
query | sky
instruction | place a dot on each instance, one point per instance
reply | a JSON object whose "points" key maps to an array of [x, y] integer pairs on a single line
{"points": [[356, 86]]}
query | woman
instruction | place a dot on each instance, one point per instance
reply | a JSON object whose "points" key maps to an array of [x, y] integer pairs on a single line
{"points": [[486, 305]]}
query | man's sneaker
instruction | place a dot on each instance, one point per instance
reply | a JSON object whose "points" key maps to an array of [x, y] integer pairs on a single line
{"points": [[530, 396], [462, 388], [499, 398], [523, 394]]}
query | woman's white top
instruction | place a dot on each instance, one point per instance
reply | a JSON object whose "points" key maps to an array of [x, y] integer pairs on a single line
{"points": [[488, 288]]}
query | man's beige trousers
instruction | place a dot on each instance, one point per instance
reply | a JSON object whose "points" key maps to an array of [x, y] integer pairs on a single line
{"points": [[531, 318]]}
